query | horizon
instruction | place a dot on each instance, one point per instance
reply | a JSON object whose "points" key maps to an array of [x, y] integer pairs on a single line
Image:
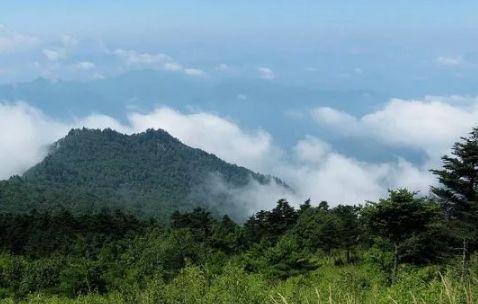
{"points": [[327, 93]]}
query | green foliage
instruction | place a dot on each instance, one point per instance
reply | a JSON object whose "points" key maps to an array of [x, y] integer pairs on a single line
{"points": [[145, 174], [267, 226], [404, 221], [201, 259], [401, 249], [330, 284], [458, 194], [459, 183]]}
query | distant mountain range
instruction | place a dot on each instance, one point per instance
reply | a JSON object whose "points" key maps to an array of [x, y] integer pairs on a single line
{"points": [[150, 174], [254, 104], [282, 110]]}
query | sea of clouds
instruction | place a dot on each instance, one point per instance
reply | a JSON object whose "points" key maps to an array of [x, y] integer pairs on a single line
{"points": [[311, 167]]}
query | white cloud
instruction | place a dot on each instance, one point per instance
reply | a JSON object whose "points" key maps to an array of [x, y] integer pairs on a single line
{"points": [[25, 134], [100, 121], [11, 41], [194, 72], [211, 133], [430, 125], [339, 179], [266, 73], [341, 121], [314, 169], [246, 199], [449, 61], [54, 54], [85, 65], [171, 66], [325, 174], [132, 57], [155, 61], [329, 175], [311, 149]]}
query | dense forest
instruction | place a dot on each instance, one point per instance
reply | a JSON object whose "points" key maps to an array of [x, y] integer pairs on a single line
{"points": [[403, 248], [149, 174]]}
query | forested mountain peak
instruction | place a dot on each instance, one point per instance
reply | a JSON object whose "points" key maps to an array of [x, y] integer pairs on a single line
{"points": [[109, 136], [150, 174]]}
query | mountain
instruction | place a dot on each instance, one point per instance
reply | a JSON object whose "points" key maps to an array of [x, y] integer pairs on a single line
{"points": [[245, 100], [282, 109], [150, 174], [145, 89]]}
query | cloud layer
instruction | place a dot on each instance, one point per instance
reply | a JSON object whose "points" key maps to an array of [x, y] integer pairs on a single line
{"points": [[25, 134], [160, 61], [431, 124], [312, 167]]}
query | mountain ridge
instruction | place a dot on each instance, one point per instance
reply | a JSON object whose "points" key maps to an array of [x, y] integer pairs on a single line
{"points": [[150, 174]]}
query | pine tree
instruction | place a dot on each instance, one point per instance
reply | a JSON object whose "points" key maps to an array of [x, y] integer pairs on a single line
{"points": [[348, 228], [400, 218], [458, 192]]}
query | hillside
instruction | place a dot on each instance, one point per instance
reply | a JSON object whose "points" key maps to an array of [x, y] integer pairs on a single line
{"points": [[150, 174]]}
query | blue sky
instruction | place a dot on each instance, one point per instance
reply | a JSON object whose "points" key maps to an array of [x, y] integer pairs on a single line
{"points": [[51, 16], [328, 92], [399, 46]]}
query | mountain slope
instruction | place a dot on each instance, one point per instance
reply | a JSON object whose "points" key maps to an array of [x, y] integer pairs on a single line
{"points": [[150, 174]]}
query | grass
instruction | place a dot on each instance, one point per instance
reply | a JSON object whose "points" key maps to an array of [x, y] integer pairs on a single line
{"points": [[327, 285]]}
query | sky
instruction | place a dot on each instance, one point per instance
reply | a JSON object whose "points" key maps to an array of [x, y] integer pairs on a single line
{"points": [[411, 46], [328, 95]]}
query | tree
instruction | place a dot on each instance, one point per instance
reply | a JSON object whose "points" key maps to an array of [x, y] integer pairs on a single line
{"points": [[199, 221], [398, 219], [226, 236], [282, 217], [317, 228], [458, 192], [304, 207], [348, 227], [270, 225], [287, 258], [323, 205]]}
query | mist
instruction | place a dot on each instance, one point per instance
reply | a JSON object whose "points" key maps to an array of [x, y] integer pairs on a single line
{"points": [[313, 167]]}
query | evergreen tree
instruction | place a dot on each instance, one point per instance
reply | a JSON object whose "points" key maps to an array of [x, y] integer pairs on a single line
{"points": [[348, 228], [226, 236], [199, 221], [399, 219], [282, 217], [317, 228], [304, 207], [458, 192], [270, 225]]}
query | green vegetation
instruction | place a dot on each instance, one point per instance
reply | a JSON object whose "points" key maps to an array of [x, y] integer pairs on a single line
{"points": [[150, 174], [401, 249], [278, 256]]}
